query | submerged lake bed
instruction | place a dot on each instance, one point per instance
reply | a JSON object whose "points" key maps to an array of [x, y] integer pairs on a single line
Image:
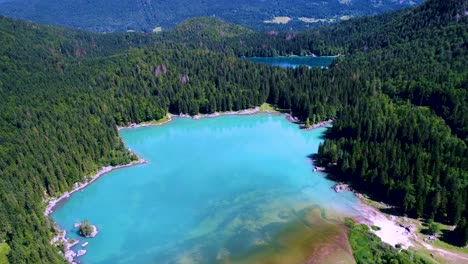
{"points": [[232, 188]]}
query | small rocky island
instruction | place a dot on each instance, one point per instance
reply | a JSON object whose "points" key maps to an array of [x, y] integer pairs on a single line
{"points": [[87, 230], [341, 187]]}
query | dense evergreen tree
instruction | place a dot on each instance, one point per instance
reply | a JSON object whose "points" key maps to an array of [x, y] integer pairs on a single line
{"points": [[400, 150], [408, 148], [400, 95], [460, 235]]}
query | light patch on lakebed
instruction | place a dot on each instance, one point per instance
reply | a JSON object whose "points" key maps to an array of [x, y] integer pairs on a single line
{"points": [[345, 1], [278, 20], [157, 29], [271, 211]]}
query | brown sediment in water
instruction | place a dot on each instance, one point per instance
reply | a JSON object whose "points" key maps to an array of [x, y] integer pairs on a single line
{"points": [[338, 250], [311, 238]]}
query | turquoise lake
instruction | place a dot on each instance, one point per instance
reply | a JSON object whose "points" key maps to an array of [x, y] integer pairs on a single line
{"points": [[212, 190], [295, 61]]}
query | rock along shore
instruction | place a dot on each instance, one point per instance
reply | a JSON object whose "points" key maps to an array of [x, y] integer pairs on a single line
{"points": [[251, 111], [61, 238], [52, 202]]}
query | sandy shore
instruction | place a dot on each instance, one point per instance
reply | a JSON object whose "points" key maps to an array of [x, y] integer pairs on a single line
{"points": [[390, 231], [253, 111], [320, 124], [393, 230], [403, 230]]}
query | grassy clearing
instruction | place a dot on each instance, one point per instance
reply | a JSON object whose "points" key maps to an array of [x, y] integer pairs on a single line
{"points": [[4, 250], [267, 107], [368, 248], [422, 227], [446, 246], [278, 20], [426, 255], [163, 120]]}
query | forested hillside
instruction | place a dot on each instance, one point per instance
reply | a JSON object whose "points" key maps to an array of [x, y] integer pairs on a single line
{"points": [[400, 95], [123, 15], [409, 147], [63, 93]]}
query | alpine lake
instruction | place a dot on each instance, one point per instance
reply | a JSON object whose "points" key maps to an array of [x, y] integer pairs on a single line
{"points": [[230, 189]]}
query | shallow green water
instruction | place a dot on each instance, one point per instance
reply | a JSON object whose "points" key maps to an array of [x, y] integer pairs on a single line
{"points": [[212, 189], [295, 61]]}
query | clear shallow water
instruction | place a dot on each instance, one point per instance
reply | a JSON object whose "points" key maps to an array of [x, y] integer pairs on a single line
{"points": [[212, 189], [293, 62]]}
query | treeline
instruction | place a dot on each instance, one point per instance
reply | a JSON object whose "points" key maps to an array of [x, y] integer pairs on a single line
{"points": [[217, 35], [409, 147], [400, 150], [143, 84]]}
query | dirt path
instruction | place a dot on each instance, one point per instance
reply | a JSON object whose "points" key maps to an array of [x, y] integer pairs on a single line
{"points": [[392, 232], [456, 257]]}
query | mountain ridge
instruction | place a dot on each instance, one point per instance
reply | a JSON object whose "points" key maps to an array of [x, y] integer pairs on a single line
{"points": [[145, 15]]}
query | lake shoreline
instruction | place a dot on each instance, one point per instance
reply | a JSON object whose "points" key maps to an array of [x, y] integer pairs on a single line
{"points": [[251, 111], [53, 202], [391, 231], [403, 230], [171, 117]]}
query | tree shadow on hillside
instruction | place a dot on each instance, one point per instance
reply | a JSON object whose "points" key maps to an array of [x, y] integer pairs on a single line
{"points": [[393, 210], [451, 238]]}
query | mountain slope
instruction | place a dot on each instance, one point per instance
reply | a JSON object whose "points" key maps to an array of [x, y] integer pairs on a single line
{"points": [[63, 92], [407, 144], [145, 15]]}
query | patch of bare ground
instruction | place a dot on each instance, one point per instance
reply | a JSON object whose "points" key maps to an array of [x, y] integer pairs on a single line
{"points": [[405, 231]]}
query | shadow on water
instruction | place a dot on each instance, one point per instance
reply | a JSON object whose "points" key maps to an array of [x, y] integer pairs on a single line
{"points": [[326, 134]]}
